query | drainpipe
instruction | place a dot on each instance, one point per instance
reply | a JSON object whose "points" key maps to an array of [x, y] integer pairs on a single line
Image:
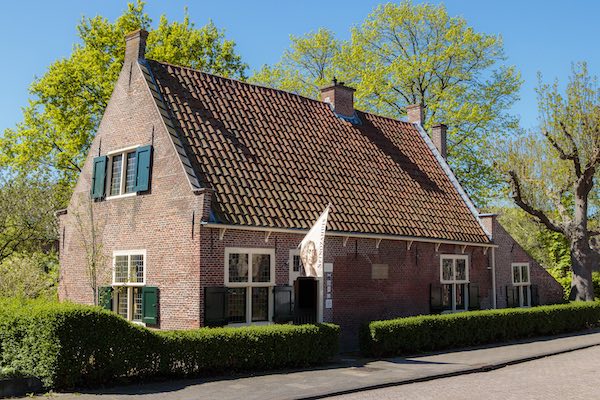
{"points": [[494, 277]]}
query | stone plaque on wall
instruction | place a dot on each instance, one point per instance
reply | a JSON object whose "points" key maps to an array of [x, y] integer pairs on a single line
{"points": [[379, 271]]}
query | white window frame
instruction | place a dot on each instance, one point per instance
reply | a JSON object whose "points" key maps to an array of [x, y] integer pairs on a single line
{"points": [[123, 180], [128, 286], [249, 284], [454, 282], [292, 275], [523, 287]]}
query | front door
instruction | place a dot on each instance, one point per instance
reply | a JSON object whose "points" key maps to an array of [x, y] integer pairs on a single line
{"points": [[305, 300]]}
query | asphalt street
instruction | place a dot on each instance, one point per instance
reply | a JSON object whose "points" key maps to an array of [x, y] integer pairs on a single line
{"points": [[573, 375]]}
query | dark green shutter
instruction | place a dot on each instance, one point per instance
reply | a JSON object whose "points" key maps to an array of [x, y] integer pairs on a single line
{"points": [[215, 306], [535, 296], [284, 305], [99, 177], [435, 299], [150, 305], [511, 297], [473, 296], [143, 157], [105, 297]]}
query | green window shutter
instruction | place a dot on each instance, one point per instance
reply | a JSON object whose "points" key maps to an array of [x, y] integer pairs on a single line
{"points": [[105, 297], [535, 296], [150, 305], [143, 157], [216, 308], [474, 296], [435, 299], [284, 304], [99, 177]]}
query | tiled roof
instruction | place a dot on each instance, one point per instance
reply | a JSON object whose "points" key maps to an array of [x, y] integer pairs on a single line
{"points": [[276, 159]]}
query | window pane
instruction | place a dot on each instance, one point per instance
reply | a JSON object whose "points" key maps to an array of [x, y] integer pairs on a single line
{"points": [[237, 305], [238, 268], [261, 268], [297, 264], [130, 177], [122, 302], [447, 297], [121, 264], [260, 304], [461, 270], [460, 296], [447, 264], [115, 177], [137, 268], [137, 304], [524, 274], [516, 274]]}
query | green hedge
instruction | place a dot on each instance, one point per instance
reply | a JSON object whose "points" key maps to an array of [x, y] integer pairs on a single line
{"points": [[67, 345], [437, 332]]}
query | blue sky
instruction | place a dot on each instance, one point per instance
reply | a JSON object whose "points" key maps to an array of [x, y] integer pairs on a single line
{"points": [[545, 36]]}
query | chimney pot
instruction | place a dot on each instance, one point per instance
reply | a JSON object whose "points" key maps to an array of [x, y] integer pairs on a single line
{"points": [[135, 45], [415, 114], [439, 137], [340, 97]]}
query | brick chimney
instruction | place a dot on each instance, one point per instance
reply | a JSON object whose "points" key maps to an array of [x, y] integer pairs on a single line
{"points": [[415, 114], [135, 45], [438, 136], [340, 97]]}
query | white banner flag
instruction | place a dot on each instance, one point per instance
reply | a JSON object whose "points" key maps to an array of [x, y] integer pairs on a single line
{"points": [[311, 247]]}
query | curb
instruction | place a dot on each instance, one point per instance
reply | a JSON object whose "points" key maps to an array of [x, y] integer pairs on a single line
{"points": [[482, 368]]}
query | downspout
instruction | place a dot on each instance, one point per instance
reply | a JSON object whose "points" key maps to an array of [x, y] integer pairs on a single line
{"points": [[494, 277]]}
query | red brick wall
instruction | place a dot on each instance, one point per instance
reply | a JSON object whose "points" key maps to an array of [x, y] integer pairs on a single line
{"points": [[356, 297], [508, 252], [159, 221]]}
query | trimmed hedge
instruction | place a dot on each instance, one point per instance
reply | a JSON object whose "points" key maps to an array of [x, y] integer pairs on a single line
{"points": [[437, 332], [67, 345]]}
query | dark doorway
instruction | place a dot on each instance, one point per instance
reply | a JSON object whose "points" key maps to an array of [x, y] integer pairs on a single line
{"points": [[305, 310]]}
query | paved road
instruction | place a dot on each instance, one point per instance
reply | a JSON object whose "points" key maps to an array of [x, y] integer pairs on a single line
{"points": [[574, 375]]}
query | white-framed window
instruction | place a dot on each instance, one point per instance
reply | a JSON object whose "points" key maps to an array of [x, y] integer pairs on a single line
{"points": [[454, 277], [129, 277], [522, 282], [121, 172], [249, 277]]}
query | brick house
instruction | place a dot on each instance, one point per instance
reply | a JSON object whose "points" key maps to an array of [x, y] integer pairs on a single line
{"points": [[198, 189]]}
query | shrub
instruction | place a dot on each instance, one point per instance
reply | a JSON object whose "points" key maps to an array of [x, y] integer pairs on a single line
{"points": [[67, 345], [437, 332]]}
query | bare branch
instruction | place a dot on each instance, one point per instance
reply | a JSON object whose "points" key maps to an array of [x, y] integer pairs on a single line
{"points": [[538, 214]]}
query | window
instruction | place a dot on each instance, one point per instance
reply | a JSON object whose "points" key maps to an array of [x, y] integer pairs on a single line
{"points": [[129, 278], [249, 277], [122, 173], [454, 276], [522, 283]]}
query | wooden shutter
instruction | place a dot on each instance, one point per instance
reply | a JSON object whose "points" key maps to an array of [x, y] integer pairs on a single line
{"points": [[99, 177], [473, 296], [435, 299], [535, 296], [143, 157], [150, 305], [105, 297], [511, 298], [215, 306], [284, 306]]}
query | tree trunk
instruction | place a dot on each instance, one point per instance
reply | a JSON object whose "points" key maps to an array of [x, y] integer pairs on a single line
{"points": [[582, 255], [582, 288]]}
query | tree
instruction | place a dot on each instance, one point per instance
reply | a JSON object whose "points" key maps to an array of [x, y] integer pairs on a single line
{"points": [[68, 101], [27, 206], [416, 54], [552, 171], [29, 276]]}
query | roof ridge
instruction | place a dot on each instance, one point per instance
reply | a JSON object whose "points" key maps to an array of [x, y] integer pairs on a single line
{"points": [[270, 88]]}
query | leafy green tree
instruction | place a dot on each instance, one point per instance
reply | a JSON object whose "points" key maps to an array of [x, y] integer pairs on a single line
{"points": [[27, 221], [552, 171], [29, 276], [68, 101], [416, 54]]}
